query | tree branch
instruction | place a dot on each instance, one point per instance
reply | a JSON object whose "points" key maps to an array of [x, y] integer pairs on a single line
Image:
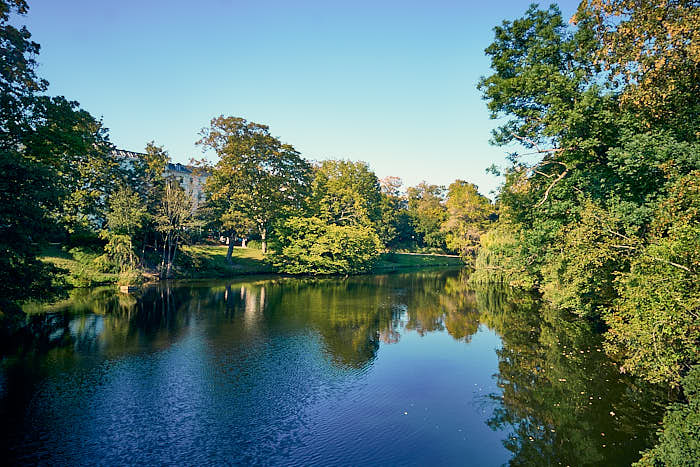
{"points": [[549, 188]]}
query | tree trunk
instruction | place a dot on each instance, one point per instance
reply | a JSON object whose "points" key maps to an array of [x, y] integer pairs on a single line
{"points": [[162, 263], [263, 240], [174, 251], [230, 248], [169, 265]]}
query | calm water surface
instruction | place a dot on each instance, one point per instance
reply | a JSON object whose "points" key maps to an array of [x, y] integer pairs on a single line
{"points": [[405, 369]]}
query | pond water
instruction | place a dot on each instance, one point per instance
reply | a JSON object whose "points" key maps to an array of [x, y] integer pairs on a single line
{"points": [[407, 369]]}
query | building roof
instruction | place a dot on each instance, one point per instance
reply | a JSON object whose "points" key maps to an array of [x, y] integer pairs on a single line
{"points": [[128, 154], [172, 167]]}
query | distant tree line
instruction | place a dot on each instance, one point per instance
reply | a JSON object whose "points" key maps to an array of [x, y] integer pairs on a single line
{"points": [[331, 217]]}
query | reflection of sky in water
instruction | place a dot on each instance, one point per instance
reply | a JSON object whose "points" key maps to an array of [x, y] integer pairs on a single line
{"points": [[370, 370]]}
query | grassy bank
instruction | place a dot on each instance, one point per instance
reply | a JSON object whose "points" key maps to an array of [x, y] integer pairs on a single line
{"points": [[209, 261], [391, 261], [81, 266]]}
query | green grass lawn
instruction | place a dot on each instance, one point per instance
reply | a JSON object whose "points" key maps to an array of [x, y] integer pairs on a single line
{"points": [[80, 266], [210, 261], [389, 261]]}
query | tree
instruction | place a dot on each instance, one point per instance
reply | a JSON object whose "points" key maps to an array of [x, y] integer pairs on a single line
{"points": [[126, 216], [262, 178], [176, 217], [468, 216], [427, 210], [346, 193], [27, 193], [654, 323], [600, 214], [340, 237], [145, 176], [239, 224], [649, 49], [76, 147], [26, 197], [18, 80], [395, 227]]}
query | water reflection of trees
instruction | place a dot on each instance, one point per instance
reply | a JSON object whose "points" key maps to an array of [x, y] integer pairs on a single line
{"points": [[559, 400], [562, 400]]}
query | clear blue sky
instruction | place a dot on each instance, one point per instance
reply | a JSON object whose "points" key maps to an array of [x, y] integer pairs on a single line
{"points": [[389, 83]]}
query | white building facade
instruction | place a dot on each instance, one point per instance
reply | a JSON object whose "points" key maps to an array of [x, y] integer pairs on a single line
{"points": [[188, 178]]}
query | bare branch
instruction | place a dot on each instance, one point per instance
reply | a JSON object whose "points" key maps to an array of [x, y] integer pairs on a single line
{"points": [[655, 258], [528, 141], [549, 188]]}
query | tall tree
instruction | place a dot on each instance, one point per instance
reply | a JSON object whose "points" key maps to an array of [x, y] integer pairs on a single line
{"points": [[650, 51], [175, 220], [76, 147], [256, 174], [340, 236], [346, 193], [126, 216], [395, 227], [146, 176], [427, 210], [468, 216], [18, 80], [27, 193]]}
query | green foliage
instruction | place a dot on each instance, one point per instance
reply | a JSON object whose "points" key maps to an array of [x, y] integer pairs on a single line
{"points": [[603, 220], [579, 275], [25, 198], [346, 193], [130, 277], [679, 440], [395, 228], [257, 175], [654, 325], [500, 259], [54, 163], [79, 267], [312, 246], [468, 216], [88, 268], [175, 220], [428, 212], [75, 146], [127, 214]]}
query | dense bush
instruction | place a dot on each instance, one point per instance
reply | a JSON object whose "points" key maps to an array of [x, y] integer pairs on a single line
{"points": [[311, 246]]}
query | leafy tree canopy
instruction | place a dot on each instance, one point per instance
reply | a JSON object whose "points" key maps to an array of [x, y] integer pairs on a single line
{"points": [[263, 178]]}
